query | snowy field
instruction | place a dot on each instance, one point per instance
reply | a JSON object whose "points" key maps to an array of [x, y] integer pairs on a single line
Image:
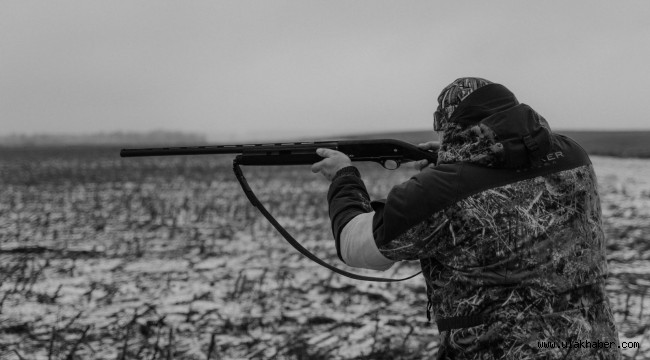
{"points": [[164, 258]]}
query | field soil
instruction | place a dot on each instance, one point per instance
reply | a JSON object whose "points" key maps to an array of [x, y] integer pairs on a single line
{"points": [[164, 258]]}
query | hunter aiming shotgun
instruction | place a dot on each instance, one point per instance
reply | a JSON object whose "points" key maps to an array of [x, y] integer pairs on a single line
{"points": [[389, 153]]}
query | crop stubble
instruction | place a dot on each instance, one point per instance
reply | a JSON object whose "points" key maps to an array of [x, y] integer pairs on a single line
{"points": [[164, 258]]}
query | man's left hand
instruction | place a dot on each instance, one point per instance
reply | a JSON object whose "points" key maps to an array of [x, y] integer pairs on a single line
{"points": [[333, 162]]}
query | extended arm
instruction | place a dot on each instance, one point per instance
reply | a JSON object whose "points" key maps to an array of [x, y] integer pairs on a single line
{"points": [[350, 212], [374, 235], [352, 218]]}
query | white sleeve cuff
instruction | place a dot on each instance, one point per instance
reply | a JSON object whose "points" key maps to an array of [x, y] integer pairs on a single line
{"points": [[358, 247]]}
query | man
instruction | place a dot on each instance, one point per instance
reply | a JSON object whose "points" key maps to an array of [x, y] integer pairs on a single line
{"points": [[507, 228]]}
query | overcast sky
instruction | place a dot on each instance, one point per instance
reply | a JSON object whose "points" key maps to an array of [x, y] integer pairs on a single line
{"points": [[238, 68]]}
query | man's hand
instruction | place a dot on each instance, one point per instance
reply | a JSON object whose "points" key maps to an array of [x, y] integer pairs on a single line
{"points": [[431, 145], [333, 162]]}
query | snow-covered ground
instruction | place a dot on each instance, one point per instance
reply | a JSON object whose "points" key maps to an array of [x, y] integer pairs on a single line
{"points": [[167, 259]]}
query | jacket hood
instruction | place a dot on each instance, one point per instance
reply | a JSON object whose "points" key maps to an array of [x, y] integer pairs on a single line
{"points": [[491, 128]]}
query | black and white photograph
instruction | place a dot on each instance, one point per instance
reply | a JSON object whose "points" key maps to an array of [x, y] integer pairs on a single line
{"points": [[362, 179]]}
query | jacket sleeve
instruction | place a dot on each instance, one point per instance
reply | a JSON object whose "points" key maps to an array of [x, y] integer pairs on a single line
{"points": [[406, 223], [404, 211], [357, 244], [347, 198]]}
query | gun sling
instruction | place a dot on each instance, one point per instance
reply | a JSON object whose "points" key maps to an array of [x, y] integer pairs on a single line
{"points": [[256, 202]]}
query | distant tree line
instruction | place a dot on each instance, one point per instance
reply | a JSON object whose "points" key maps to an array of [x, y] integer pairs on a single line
{"points": [[158, 137]]}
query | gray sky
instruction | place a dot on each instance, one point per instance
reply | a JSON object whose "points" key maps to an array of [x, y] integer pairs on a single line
{"points": [[242, 68]]}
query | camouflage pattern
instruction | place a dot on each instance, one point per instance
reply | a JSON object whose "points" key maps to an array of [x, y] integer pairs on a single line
{"points": [[476, 144], [452, 95], [529, 255]]}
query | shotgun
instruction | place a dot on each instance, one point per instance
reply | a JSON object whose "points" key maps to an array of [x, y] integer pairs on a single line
{"points": [[389, 153]]}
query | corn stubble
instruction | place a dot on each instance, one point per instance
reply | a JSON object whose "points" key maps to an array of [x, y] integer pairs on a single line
{"points": [[164, 258]]}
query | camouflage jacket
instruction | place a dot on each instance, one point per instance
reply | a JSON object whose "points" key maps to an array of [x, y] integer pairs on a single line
{"points": [[513, 258]]}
